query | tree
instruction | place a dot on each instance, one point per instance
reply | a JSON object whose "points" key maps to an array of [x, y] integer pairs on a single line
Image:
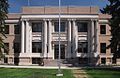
{"points": [[113, 9], [3, 16]]}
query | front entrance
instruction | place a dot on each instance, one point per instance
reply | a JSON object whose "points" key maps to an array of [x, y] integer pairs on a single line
{"points": [[56, 51]]}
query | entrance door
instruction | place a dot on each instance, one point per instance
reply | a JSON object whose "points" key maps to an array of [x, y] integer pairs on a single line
{"points": [[56, 51]]}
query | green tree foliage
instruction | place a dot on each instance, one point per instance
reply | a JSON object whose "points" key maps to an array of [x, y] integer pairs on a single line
{"points": [[3, 16], [113, 9]]}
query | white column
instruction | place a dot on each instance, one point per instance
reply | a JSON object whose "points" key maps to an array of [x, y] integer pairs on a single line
{"points": [[30, 36], [89, 41], [74, 41], [69, 39], [27, 37], [22, 36], [50, 38], [97, 37], [45, 38], [92, 36]]}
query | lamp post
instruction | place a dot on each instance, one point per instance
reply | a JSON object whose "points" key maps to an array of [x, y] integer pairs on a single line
{"points": [[59, 73]]}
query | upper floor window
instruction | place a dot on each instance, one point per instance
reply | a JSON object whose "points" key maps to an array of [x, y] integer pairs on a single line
{"points": [[62, 27], [36, 47], [102, 29], [6, 49], [82, 27], [6, 29], [36, 27], [103, 47], [16, 29], [82, 47], [16, 47]]}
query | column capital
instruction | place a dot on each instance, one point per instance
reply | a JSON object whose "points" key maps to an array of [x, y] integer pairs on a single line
{"points": [[94, 20], [47, 19], [69, 19], [73, 19], [24, 19]]}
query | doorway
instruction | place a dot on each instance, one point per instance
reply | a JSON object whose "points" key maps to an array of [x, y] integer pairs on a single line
{"points": [[56, 51]]}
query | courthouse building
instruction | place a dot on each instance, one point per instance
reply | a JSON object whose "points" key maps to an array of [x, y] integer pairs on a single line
{"points": [[32, 35]]}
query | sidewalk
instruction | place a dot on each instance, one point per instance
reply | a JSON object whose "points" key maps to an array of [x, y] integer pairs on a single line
{"points": [[40, 67]]}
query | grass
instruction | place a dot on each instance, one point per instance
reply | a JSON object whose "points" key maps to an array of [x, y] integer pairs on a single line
{"points": [[102, 73], [32, 73]]}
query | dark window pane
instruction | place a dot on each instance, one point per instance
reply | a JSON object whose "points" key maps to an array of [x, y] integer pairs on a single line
{"points": [[36, 27], [82, 27], [103, 47], [6, 50], [103, 60], [36, 60], [16, 48], [36, 47], [102, 29], [82, 47], [62, 27], [5, 60], [6, 29], [16, 29]]}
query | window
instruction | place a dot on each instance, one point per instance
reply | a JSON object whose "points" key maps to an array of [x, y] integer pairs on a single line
{"points": [[6, 50], [36, 27], [6, 29], [35, 60], [113, 60], [82, 27], [16, 29], [5, 60], [16, 48], [102, 29], [103, 47], [103, 60], [36, 47], [82, 47], [62, 27]]}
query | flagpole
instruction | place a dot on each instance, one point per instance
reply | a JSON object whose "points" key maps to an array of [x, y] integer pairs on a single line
{"points": [[59, 58]]}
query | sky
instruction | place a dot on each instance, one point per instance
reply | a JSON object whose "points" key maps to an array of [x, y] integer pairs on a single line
{"points": [[15, 6]]}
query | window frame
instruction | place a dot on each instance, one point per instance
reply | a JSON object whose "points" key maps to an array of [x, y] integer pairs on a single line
{"points": [[82, 26], [40, 27], [101, 47], [102, 29], [34, 49], [6, 30], [56, 23], [16, 29]]}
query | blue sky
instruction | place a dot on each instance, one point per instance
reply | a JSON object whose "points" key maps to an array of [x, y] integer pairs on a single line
{"points": [[15, 5]]}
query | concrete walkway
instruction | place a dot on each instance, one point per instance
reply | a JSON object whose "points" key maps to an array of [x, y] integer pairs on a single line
{"points": [[41, 67], [79, 73]]}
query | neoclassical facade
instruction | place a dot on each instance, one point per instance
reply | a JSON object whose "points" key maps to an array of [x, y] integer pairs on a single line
{"points": [[32, 35]]}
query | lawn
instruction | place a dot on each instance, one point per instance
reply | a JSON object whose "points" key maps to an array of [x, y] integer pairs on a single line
{"points": [[32, 73], [103, 73]]}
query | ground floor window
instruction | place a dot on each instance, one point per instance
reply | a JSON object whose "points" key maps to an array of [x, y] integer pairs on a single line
{"points": [[6, 49], [36, 47], [5, 60], [16, 47], [113, 60], [16, 60], [103, 60]]}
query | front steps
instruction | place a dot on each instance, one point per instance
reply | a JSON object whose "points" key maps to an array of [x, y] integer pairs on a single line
{"points": [[51, 62]]}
